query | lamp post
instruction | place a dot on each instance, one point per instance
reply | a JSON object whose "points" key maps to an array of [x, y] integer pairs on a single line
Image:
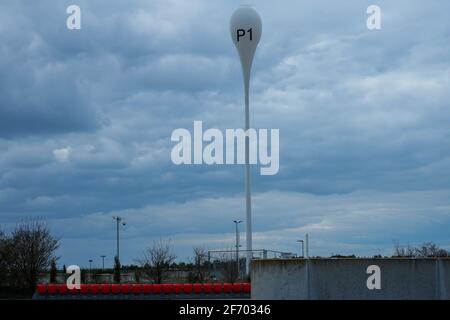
{"points": [[90, 269], [236, 222], [103, 262], [118, 221], [245, 30]]}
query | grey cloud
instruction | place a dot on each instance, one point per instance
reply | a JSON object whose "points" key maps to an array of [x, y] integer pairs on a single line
{"points": [[364, 222], [356, 110]]}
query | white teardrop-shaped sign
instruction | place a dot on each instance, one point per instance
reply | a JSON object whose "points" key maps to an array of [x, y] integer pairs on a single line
{"points": [[246, 29]]}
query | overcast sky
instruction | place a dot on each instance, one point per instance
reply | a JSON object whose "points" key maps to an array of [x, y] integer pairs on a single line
{"points": [[86, 118]]}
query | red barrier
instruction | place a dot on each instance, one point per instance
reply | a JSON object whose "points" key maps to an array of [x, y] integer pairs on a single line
{"points": [[197, 287], [42, 289], [217, 287], [156, 288], [227, 287], [207, 288], [84, 289], [52, 289], [125, 288], [115, 288], [178, 288], [187, 288], [62, 289], [105, 288], [237, 287], [73, 291], [136, 288], [148, 288], [94, 288], [167, 288]]}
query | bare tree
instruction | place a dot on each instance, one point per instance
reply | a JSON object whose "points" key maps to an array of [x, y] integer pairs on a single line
{"points": [[5, 258], [426, 250], [200, 269], [157, 259], [34, 249], [401, 251], [430, 249], [227, 266]]}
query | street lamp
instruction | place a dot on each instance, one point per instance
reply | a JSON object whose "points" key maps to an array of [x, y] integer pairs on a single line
{"points": [[90, 269], [303, 247], [237, 245], [245, 29], [118, 221], [103, 261]]}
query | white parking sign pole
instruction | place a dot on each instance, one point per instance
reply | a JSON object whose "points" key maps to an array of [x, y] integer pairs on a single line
{"points": [[245, 29]]}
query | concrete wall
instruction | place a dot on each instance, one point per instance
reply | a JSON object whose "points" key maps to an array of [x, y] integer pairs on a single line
{"points": [[339, 279]]}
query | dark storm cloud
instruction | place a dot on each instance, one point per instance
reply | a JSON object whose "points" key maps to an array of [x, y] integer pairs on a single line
{"points": [[38, 94], [86, 118]]}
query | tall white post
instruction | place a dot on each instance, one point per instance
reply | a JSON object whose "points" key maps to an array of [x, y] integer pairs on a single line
{"points": [[307, 246], [245, 29], [237, 246]]}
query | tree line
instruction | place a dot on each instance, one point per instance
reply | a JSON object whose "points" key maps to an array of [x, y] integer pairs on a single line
{"points": [[30, 251], [425, 250]]}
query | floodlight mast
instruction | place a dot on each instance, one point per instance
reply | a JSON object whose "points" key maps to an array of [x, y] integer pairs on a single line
{"points": [[245, 30], [118, 221]]}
